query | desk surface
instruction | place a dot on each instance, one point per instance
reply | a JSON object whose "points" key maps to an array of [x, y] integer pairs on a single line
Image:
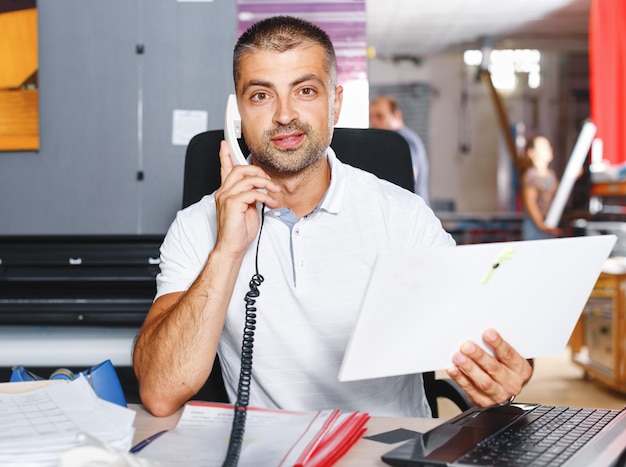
{"points": [[364, 453]]}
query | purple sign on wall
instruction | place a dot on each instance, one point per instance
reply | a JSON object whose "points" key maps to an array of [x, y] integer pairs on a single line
{"points": [[344, 21]]}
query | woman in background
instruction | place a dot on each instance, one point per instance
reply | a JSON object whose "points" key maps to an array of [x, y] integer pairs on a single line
{"points": [[539, 184]]}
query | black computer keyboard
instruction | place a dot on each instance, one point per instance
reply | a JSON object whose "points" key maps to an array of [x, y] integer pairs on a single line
{"points": [[548, 437]]}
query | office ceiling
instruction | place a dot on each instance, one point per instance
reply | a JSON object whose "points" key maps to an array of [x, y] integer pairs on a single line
{"points": [[416, 28]]}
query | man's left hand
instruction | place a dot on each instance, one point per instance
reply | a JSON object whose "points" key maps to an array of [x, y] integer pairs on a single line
{"points": [[489, 380]]}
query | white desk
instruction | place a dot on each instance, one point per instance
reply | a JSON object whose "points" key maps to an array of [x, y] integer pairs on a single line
{"points": [[364, 453], [58, 346]]}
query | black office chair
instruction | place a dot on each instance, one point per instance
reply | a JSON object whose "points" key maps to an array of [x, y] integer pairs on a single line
{"points": [[384, 153]]}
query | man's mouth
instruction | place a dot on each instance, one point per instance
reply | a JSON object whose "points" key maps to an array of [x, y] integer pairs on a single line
{"points": [[288, 140]]}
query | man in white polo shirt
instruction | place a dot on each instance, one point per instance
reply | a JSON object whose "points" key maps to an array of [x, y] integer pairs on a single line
{"points": [[321, 225]]}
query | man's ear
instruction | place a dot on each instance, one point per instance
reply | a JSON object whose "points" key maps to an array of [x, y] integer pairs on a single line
{"points": [[338, 102]]}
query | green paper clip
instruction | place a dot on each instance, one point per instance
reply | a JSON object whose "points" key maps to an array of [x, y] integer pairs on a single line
{"points": [[506, 254]]}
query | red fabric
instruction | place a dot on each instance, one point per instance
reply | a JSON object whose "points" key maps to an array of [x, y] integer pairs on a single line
{"points": [[607, 68]]}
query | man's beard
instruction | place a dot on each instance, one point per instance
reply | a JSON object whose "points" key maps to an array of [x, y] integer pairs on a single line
{"points": [[289, 160]]}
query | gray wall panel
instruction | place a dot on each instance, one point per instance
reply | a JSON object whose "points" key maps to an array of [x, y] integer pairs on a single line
{"points": [[84, 178]]}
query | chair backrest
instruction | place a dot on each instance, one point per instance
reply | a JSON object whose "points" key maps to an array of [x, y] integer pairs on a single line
{"points": [[384, 153]]}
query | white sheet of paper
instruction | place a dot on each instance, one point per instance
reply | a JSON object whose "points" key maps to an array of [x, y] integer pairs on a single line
{"points": [[39, 425], [186, 124], [272, 437], [421, 306]]}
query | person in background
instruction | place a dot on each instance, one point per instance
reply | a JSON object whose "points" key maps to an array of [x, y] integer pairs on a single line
{"points": [[538, 185], [386, 114]]}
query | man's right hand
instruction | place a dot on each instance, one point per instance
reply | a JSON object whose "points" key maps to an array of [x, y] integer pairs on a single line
{"points": [[236, 202]]}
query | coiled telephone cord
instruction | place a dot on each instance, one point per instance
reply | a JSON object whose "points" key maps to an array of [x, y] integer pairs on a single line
{"points": [[245, 374]]}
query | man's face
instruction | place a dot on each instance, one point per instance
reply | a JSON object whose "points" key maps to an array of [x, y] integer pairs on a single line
{"points": [[288, 107], [381, 116]]}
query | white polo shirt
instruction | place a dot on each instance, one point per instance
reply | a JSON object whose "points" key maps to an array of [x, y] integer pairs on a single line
{"points": [[316, 273]]}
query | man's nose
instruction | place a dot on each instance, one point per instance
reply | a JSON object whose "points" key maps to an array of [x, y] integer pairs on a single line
{"points": [[285, 111]]}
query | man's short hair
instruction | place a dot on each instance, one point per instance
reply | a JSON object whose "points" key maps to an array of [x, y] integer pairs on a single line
{"points": [[283, 33]]}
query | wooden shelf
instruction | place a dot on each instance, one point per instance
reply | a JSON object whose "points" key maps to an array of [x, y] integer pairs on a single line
{"points": [[598, 342], [608, 189]]}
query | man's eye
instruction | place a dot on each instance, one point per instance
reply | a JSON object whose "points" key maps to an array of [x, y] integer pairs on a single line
{"points": [[259, 96], [307, 91]]}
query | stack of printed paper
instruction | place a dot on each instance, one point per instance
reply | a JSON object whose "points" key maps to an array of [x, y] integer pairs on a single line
{"points": [[272, 437], [39, 425]]}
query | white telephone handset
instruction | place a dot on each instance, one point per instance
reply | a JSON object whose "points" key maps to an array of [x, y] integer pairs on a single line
{"points": [[232, 131]]}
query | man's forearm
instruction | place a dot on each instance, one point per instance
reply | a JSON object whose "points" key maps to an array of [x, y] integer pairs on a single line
{"points": [[175, 348]]}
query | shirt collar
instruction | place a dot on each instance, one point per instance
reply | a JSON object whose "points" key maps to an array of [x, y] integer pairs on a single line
{"points": [[333, 198], [336, 189]]}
